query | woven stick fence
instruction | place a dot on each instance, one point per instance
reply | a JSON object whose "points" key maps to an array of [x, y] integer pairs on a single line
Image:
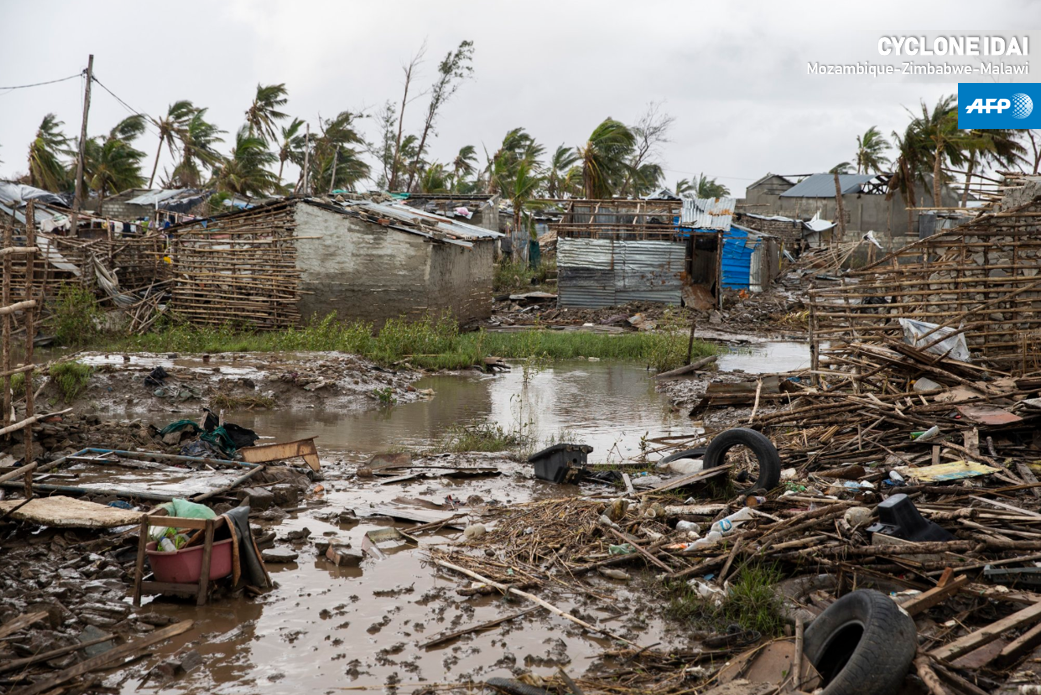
{"points": [[982, 279], [238, 269]]}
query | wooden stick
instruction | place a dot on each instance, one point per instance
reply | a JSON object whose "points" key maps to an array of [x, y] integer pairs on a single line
{"points": [[105, 658], [445, 637], [797, 670], [650, 558], [929, 677], [47, 656], [986, 635], [22, 621], [535, 599]]}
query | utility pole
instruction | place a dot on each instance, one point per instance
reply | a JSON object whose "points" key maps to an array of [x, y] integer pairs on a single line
{"points": [[78, 200], [307, 160]]}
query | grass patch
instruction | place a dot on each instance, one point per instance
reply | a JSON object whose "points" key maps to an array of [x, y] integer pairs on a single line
{"points": [[483, 437], [71, 377], [226, 401], [517, 277], [427, 343], [750, 603], [75, 318]]}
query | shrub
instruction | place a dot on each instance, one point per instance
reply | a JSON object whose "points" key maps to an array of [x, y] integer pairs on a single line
{"points": [[76, 318], [71, 378]]}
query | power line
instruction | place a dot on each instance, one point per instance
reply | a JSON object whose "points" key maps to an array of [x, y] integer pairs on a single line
{"points": [[128, 107], [40, 84]]}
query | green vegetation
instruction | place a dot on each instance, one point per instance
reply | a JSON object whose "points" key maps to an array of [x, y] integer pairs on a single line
{"points": [[482, 437], [428, 343], [385, 396], [225, 401], [71, 377], [76, 317], [750, 602], [518, 277]]}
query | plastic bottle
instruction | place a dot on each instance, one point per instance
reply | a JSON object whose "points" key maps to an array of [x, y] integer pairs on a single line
{"points": [[726, 526], [687, 526], [167, 545], [621, 549]]}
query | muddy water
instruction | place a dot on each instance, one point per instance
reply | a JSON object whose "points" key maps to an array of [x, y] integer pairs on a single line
{"points": [[768, 357], [609, 406], [325, 628]]}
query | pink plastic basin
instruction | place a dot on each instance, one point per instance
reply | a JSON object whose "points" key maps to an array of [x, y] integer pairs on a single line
{"points": [[185, 565]]}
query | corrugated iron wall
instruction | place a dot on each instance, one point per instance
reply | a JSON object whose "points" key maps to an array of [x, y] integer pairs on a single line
{"points": [[593, 273]]}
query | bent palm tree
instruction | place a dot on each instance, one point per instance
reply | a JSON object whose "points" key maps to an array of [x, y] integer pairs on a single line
{"points": [[112, 164], [263, 112], [871, 147], [245, 172], [559, 165], [604, 158], [997, 146], [171, 127], [197, 149], [525, 184], [292, 147], [46, 169], [710, 188]]}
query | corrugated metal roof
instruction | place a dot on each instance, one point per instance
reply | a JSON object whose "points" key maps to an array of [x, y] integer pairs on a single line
{"points": [[156, 196], [708, 213], [404, 213], [823, 185]]}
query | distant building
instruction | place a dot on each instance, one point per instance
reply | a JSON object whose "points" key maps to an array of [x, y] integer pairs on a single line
{"points": [[864, 202]]}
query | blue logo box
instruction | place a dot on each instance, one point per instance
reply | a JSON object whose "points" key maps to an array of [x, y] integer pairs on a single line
{"points": [[985, 105]]}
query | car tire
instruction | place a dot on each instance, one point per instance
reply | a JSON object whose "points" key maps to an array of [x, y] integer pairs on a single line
{"points": [[863, 644], [764, 450], [698, 453]]}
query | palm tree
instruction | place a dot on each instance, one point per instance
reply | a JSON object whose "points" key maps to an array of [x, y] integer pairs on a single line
{"points": [[684, 186], [335, 161], [464, 164], [998, 146], [907, 168], [112, 164], [197, 148], [525, 184], [246, 171], [604, 158], [841, 168], [645, 178], [263, 112], [560, 164], [171, 127], [46, 169], [710, 188], [292, 147], [871, 147], [946, 143], [434, 179], [517, 145]]}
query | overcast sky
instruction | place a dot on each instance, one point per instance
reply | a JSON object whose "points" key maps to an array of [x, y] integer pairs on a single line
{"points": [[734, 77]]}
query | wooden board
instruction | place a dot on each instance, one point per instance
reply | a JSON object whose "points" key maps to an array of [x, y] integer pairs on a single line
{"points": [[67, 512], [300, 448]]}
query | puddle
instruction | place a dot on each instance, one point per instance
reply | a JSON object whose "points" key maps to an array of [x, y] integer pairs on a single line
{"points": [[328, 629], [609, 406], [768, 357]]}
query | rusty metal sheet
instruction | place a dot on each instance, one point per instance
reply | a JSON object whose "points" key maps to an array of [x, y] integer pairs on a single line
{"points": [[988, 414], [301, 448]]}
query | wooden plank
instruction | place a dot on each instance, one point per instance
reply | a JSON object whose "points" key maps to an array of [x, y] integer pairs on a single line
{"points": [[18, 472], [689, 479], [106, 658], [47, 656], [139, 565], [300, 448], [22, 621], [1020, 646], [966, 644], [204, 572], [938, 594]]}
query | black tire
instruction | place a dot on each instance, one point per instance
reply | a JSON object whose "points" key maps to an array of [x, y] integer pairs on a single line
{"points": [[688, 454], [863, 644], [515, 687], [763, 448]]}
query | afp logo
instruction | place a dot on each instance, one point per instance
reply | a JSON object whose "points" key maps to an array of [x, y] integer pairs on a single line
{"points": [[1008, 105]]}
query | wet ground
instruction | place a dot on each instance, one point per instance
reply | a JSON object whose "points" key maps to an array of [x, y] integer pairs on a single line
{"points": [[327, 627]]}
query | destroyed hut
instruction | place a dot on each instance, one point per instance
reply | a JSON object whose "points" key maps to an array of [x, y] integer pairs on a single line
{"points": [[611, 252], [275, 264]]}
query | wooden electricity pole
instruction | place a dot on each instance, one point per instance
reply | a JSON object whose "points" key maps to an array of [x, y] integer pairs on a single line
{"points": [[78, 200], [307, 160], [840, 213]]}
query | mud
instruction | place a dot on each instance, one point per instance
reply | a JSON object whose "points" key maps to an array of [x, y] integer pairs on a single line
{"points": [[287, 381], [326, 626]]}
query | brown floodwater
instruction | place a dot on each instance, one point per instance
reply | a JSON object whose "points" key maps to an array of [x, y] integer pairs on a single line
{"points": [[324, 628]]}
